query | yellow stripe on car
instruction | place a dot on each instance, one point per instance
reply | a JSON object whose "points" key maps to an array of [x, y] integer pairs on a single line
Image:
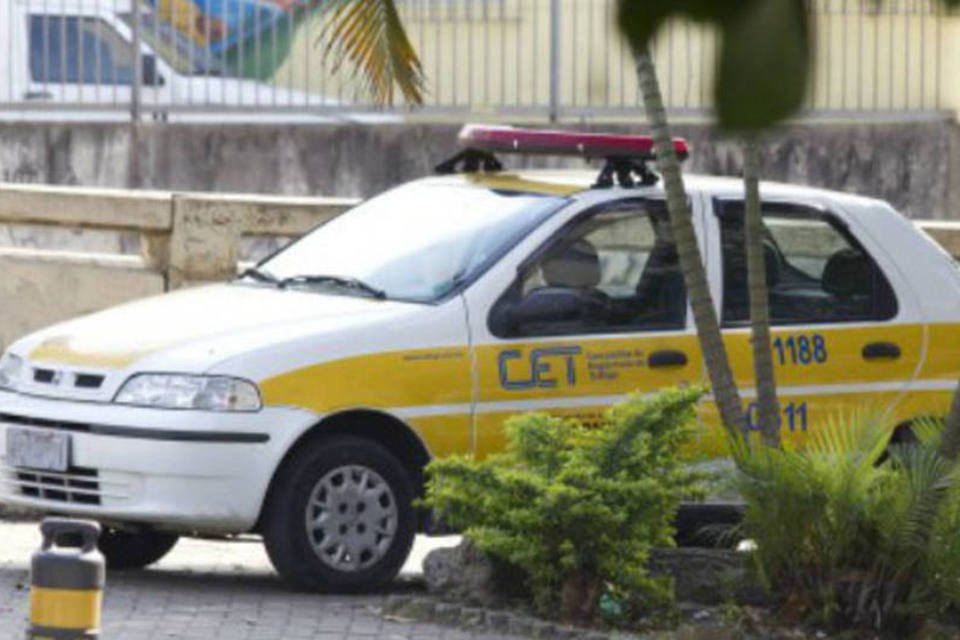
{"points": [[516, 182], [389, 379], [432, 388], [61, 352]]}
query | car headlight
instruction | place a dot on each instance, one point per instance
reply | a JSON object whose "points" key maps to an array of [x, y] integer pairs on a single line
{"points": [[177, 391], [11, 367]]}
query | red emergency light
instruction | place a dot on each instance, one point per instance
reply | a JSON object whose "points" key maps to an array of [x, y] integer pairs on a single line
{"points": [[504, 139]]}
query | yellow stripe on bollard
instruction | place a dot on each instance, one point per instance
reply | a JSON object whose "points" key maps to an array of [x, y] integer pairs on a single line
{"points": [[65, 608]]}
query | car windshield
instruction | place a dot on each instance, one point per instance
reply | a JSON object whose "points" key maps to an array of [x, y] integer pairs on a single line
{"points": [[418, 242]]}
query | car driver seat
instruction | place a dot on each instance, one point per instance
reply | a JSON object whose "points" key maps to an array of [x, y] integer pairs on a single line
{"points": [[571, 274], [572, 266]]}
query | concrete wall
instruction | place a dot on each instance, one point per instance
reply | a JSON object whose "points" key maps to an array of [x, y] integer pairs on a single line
{"points": [[183, 239], [40, 288], [915, 165]]}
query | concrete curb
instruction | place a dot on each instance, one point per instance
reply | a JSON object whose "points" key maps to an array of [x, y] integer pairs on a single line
{"points": [[426, 609]]}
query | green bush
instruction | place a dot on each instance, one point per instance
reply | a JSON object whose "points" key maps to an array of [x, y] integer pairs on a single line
{"points": [[942, 570], [943, 565], [577, 509], [843, 527]]}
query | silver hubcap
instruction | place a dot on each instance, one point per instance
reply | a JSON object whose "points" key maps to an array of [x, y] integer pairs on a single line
{"points": [[351, 518]]}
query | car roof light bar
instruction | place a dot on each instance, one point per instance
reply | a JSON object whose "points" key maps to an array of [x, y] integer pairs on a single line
{"points": [[504, 139], [626, 157]]}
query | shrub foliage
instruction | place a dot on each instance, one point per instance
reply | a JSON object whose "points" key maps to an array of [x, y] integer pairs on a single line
{"points": [[577, 509], [842, 527]]}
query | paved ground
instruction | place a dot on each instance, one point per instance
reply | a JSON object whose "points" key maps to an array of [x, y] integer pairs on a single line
{"points": [[216, 590]]}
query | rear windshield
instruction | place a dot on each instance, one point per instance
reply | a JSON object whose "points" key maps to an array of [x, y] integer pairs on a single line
{"points": [[419, 242]]}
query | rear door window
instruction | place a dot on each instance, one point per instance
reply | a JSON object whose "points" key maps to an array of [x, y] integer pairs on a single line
{"points": [[816, 270]]}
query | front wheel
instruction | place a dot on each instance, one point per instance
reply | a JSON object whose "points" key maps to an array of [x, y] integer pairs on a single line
{"points": [[134, 549], [340, 516]]}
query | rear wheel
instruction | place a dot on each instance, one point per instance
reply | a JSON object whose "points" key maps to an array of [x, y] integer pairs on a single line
{"points": [[340, 516], [134, 549]]}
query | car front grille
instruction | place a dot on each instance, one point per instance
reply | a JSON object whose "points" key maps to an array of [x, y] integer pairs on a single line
{"points": [[77, 485]]}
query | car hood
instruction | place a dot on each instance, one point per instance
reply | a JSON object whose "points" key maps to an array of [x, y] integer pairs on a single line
{"points": [[195, 329]]}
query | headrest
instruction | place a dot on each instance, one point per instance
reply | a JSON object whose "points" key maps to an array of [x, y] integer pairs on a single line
{"points": [[847, 273], [575, 266]]}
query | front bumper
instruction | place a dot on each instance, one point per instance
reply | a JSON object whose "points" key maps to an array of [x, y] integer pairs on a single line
{"points": [[185, 471]]}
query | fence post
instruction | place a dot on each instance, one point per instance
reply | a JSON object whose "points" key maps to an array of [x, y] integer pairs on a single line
{"points": [[134, 168], [137, 65], [554, 60]]}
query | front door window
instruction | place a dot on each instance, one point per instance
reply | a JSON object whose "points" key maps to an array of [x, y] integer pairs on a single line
{"points": [[597, 312], [613, 272]]}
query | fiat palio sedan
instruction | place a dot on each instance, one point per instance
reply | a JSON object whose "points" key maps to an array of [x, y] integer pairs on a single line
{"points": [[302, 400]]}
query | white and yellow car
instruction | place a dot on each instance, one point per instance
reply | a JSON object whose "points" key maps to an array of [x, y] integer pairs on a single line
{"points": [[302, 400]]}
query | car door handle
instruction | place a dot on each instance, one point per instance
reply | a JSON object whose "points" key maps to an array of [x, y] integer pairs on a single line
{"points": [[667, 358], [881, 350]]}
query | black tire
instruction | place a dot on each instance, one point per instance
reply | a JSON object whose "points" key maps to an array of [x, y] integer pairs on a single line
{"points": [[134, 550], [285, 531]]}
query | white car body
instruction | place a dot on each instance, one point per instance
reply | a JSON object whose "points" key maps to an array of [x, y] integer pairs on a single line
{"points": [[426, 372]]}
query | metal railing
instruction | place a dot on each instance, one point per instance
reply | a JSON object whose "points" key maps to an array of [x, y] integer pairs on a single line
{"points": [[555, 59]]}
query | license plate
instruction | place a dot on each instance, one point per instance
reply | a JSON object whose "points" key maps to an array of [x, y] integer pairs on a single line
{"points": [[46, 450]]}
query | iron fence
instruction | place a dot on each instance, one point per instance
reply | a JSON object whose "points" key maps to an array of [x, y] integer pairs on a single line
{"points": [[556, 59]]}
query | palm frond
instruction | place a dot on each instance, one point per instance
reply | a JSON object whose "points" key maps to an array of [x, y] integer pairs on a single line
{"points": [[371, 35], [862, 434], [928, 431], [850, 525], [926, 475]]}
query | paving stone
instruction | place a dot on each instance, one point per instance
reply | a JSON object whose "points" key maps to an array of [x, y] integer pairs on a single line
{"points": [[521, 625], [498, 621], [448, 613], [544, 630], [210, 590], [472, 617], [395, 602], [420, 609]]}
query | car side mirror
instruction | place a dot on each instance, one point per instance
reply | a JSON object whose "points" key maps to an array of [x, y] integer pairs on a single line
{"points": [[149, 74]]}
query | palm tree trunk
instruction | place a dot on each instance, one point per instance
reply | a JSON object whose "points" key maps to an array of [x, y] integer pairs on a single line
{"points": [[765, 382], [950, 441], [691, 263]]}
